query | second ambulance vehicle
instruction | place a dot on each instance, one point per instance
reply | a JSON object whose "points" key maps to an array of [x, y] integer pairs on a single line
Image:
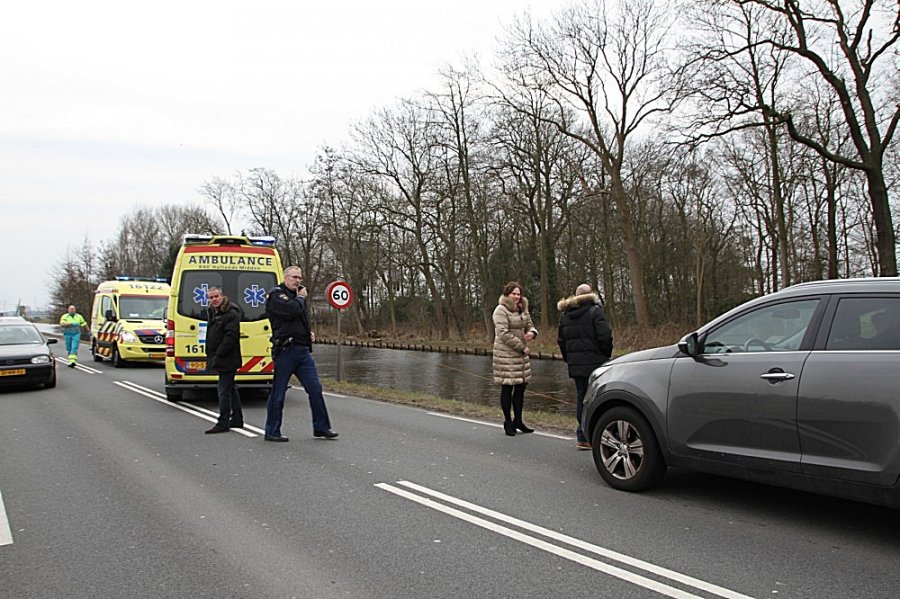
{"points": [[127, 320]]}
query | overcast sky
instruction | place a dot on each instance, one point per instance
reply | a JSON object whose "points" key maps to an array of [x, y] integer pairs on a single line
{"points": [[110, 105]]}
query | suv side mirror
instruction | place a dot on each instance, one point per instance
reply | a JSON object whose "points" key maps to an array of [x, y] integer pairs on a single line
{"points": [[690, 344], [110, 315]]}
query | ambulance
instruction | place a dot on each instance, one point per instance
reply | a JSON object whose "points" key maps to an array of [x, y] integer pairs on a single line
{"points": [[245, 268], [128, 320]]}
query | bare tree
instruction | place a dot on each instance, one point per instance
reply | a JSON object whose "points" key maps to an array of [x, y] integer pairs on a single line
{"points": [[76, 277], [399, 146], [221, 194], [609, 64], [850, 45]]}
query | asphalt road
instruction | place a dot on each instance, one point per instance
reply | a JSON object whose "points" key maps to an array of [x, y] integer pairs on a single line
{"points": [[110, 491]]}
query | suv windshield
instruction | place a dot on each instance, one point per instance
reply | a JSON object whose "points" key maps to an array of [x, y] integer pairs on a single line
{"points": [[146, 307], [246, 290]]}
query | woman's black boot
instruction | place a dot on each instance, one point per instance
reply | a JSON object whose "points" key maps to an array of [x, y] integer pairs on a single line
{"points": [[518, 401], [509, 427], [521, 426]]}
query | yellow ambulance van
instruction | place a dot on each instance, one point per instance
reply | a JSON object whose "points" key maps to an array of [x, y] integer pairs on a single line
{"points": [[245, 268], [128, 320]]}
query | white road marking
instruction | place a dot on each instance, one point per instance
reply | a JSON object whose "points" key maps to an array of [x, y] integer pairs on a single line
{"points": [[495, 425], [190, 409], [615, 571], [5, 533], [79, 366], [216, 416]]}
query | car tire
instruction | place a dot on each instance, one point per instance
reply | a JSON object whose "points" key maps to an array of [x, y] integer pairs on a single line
{"points": [[626, 451], [52, 382], [173, 395], [117, 361], [97, 357]]}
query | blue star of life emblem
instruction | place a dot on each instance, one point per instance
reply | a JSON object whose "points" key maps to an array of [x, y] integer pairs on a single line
{"points": [[255, 296], [200, 295]]}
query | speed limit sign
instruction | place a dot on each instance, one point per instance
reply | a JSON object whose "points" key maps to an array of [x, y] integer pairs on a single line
{"points": [[339, 295]]}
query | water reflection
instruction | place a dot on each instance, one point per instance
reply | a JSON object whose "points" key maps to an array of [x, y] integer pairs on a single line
{"points": [[452, 376]]}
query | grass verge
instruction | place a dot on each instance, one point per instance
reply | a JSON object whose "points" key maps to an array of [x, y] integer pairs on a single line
{"points": [[545, 421]]}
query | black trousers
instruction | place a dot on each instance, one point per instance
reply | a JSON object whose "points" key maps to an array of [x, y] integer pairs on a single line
{"points": [[230, 413]]}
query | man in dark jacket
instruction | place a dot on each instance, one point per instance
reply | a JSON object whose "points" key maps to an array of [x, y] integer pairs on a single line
{"points": [[223, 356], [292, 353], [585, 341]]}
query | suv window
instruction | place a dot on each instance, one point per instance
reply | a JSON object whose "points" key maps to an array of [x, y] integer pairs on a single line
{"points": [[247, 290], [865, 323], [778, 327]]}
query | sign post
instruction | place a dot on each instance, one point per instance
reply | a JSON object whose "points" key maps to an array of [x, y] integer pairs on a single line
{"points": [[340, 296]]}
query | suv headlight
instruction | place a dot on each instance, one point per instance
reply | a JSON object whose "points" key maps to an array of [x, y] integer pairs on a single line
{"points": [[40, 360], [598, 373]]}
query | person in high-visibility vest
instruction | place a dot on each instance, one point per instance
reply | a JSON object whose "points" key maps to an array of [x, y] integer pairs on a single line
{"points": [[71, 323]]}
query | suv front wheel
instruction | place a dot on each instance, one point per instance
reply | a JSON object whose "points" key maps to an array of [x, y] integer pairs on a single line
{"points": [[626, 451]]}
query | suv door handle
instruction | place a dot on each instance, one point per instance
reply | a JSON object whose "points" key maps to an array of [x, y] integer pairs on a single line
{"points": [[774, 377]]}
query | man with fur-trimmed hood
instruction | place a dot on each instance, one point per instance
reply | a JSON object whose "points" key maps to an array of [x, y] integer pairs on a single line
{"points": [[585, 341]]}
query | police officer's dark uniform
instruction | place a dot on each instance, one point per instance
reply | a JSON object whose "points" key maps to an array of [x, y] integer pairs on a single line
{"points": [[292, 354]]}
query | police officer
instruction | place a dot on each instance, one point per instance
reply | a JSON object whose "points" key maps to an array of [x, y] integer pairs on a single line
{"points": [[292, 353]]}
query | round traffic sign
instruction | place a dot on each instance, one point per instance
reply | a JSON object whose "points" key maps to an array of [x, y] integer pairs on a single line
{"points": [[339, 294]]}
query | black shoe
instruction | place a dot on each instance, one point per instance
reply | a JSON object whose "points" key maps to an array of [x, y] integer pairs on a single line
{"points": [[327, 434], [278, 439], [216, 429], [521, 426], [510, 428], [236, 424], [71, 364]]}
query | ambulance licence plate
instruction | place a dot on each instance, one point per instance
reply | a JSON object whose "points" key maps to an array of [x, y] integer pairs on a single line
{"points": [[12, 372], [157, 356], [196, 365]]}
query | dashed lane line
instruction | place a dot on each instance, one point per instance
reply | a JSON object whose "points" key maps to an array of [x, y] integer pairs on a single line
{"points": [[5, 533], [185, 407]]}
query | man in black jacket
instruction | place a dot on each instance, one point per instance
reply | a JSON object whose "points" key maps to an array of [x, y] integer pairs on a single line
{"points": [[292, 353], [223, 356], [585, 341]]}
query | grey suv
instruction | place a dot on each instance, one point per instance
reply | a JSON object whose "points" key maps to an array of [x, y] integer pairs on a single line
{"points": [[799, 388]]}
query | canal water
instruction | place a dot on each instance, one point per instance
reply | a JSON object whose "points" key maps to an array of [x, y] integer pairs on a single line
{"points": [[451, 376]]}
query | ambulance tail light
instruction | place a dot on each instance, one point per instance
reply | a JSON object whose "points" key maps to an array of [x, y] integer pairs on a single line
{"points": [[170, 338]]}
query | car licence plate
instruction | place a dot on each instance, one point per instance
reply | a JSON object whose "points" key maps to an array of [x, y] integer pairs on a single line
{"points": [[158, 356], [12, 372], [196, 365]]}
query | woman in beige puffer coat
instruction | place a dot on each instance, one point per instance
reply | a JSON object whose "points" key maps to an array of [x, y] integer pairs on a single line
{"points": [[513, 329]]}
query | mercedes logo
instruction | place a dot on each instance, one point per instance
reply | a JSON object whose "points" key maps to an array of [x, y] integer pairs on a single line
{"points": [[158, 339]]}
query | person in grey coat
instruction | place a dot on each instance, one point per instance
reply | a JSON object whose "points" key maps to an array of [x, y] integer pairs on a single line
{"points": [[586, 342]]}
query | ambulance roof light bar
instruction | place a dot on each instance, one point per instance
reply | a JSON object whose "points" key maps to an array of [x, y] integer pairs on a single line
{"points": [[261, 240], [197, 238], [264, 240], [147, 279]]}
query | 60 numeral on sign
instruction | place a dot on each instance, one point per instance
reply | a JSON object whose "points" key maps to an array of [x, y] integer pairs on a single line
{"points": [[339, 295]]}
